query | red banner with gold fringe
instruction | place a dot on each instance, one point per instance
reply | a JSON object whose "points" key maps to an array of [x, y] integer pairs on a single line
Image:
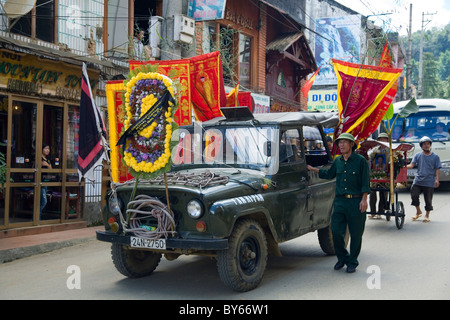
{"points": [[175, 69], [114, 91], [361, 89], [207, 87], [202, 85]]}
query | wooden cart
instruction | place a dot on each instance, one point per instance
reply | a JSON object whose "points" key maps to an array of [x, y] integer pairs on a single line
{"points": [[395, 162]]}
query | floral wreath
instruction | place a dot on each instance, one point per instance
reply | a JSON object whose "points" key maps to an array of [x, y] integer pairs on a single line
{"points": [[148, 152]]}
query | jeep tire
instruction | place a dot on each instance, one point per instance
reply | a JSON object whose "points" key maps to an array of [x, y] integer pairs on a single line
{"points": [[241, 266], [326, 240], [134, 263]]}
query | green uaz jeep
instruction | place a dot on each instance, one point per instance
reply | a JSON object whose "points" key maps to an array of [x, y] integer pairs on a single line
{"points": [[238, 187]]}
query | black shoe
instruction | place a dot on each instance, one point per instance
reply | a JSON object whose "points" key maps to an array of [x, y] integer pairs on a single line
{"points": [[350, 269], [339, 265]]}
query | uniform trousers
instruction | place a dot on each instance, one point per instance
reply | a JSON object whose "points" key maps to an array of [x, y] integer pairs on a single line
{"points": [[346, 213]]}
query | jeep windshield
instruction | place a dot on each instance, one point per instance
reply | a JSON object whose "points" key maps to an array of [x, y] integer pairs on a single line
{"points": [[251, 147]]}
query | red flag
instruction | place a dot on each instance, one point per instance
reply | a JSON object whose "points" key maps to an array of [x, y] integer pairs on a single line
{"points": [[361, 90], [386, 60], [92, 132], [207, 87], [232, 97], [307, 86]]}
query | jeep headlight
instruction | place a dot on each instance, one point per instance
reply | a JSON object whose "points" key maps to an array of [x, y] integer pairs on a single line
{"points": [[194, 209], [115, 205]]}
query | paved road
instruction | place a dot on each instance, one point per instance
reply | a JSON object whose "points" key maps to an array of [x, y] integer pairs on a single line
{"points": [[411, 263]]}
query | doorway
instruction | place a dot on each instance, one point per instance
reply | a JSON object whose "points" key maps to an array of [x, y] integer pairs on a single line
{"points": [[34, 194]]}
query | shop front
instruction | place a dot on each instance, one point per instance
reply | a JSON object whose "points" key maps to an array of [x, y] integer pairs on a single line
{"points": [[39, 106]]}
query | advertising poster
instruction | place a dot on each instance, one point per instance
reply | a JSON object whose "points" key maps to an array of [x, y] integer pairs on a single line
{"points": [[341, 39], [202, 10]]}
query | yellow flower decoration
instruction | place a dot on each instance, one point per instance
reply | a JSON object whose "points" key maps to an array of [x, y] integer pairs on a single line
{"points": [[149, 151]]}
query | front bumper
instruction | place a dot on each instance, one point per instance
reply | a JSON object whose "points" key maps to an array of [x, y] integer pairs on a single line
{"points": [[171, 243]]}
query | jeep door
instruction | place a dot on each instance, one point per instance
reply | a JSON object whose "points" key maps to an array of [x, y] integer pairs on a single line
{"points": [[320, 192], [292, 184]]}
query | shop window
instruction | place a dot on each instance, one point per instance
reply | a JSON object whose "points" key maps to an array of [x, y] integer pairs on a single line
{"points": [[52, 133], [21, 204], [23, 133], [3, 141], [244, 60], [235, 51], [53, 201], [43, 22], [280, 80], [227, 49]]}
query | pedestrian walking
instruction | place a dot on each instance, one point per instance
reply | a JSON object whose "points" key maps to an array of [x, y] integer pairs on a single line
{"points": [[350, 204], [426, 179]]}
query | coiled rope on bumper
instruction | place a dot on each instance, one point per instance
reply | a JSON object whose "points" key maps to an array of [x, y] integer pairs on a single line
{"points": [[144, 207]]}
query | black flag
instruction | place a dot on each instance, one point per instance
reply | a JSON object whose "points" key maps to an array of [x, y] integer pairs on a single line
{"points": [[92, 132], [148, 118]]}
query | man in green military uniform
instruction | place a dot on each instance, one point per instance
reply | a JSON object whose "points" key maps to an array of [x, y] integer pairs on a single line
{"points": [[350, 204]]}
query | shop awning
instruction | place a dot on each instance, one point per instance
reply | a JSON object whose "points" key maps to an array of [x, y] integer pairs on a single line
{"points": [[295, 47]]}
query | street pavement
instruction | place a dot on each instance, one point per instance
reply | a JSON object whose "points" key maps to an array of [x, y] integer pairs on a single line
{"points": [[410, 263]]}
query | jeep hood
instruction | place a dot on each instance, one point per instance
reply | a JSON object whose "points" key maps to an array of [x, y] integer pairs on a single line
{"points": [[240, 182]]}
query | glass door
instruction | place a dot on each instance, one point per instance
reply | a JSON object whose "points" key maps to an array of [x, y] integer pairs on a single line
{"points": [[51, 141], [22, 162], [34, 191]]}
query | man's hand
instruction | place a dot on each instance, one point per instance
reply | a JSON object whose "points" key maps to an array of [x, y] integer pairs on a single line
{"points": [[436, 183], [363, 204]]}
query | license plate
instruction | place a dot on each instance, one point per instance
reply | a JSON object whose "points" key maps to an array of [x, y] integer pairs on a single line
{"points": [[158, 244]]}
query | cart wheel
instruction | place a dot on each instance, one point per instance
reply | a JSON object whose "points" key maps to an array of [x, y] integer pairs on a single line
{"points": [[400, 215]]}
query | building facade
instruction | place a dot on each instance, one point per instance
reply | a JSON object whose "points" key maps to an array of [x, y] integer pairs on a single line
{"points": [[269, 47], [42, 49]]}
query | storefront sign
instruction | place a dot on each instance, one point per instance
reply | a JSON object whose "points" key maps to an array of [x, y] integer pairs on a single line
{"points": [[25, 87], [239, 19], [29, 75], [262, 103], [322, 100]]}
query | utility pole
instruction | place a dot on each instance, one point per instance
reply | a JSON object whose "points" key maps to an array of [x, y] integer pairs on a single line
{"points": [[408, 58], [419, 94]]}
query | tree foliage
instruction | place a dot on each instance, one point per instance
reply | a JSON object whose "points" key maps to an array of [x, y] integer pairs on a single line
{"points": [[436, 62]]}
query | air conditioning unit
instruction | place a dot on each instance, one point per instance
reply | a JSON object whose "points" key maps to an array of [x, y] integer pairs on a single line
{"points": [[183, 29], [155, 36]]}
